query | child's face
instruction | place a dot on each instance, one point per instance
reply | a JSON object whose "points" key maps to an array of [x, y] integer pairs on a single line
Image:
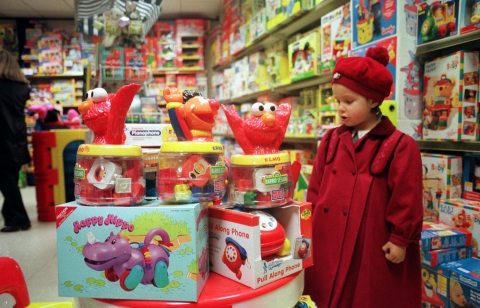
{"points": [[354, 109], [456, 295]]}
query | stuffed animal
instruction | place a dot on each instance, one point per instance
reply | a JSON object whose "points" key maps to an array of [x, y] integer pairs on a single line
{"points": [[111, 28]]}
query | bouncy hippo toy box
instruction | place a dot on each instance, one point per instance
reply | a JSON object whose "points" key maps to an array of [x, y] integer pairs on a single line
{"points": [[151, 251], [258, 247]]}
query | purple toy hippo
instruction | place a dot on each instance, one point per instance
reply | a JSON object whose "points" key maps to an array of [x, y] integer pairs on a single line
{"points": [[147, 263]]}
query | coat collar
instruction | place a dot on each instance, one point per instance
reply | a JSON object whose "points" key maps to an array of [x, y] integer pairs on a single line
{"points": [[383, 129]]}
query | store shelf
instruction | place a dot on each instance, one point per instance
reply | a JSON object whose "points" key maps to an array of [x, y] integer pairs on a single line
{"points": [[284, 31], [56, 76], [178, 72], [303, 140], [449, 146], [285, 89], [446, 46]]}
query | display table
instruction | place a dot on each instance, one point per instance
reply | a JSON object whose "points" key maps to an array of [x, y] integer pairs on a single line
{"points": [[221, 292]]}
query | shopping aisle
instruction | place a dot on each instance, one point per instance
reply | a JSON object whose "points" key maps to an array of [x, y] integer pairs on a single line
{"points": [[36, 252]]}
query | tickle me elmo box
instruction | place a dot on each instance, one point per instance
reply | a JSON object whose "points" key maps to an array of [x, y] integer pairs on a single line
{"points": [[259, 247], [463, 214], [151, 251]]}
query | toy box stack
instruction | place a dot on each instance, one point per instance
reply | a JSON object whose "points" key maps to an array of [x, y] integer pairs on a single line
{"points": [[441, 243], [464, 214], [267, 236], [450, 96], [442, 179], [163, 251]]}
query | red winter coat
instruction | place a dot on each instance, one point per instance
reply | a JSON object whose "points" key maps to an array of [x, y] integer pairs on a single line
{"points": [[355, 213]]}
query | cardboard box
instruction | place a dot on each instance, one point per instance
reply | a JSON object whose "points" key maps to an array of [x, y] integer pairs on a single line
{"points": [[149, 135], [236, 248], [436, 20], [436, 287], [172, 265], [112, 65], [303, 56], [450, 91], [442, 179], [440, 235], [464, 283], [464, 214], [437, 257], [336, 36], [373, 21], [471, 176], [135, 63], [469, 16]]}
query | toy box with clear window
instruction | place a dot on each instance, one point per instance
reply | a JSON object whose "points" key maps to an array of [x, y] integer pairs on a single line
{"points": [[436, 20], [450, 91], [471, 176], [463, 214], [442, 179], [135, 64], [469, 16], [190, 27], [336, 36], [112, 63], [257, 248], [303, 56], [151, 251], [373, 20]]}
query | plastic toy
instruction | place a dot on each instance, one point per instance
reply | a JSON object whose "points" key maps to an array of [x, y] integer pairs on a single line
{"points": [[475, 11], [191, 172], [109, 175], [439, 22], [272, 234], [263, 132], [105, 113], [192, 116], [263, 177], [145, 264]]}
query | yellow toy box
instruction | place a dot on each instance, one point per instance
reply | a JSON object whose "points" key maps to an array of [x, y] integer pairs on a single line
{"points": [[303, 56]]}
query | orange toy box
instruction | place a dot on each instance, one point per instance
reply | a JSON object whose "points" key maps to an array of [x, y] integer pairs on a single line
{"points": [[259, 247]]}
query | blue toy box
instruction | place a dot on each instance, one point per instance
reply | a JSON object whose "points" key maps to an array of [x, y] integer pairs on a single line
{"points": [[436, 20], [151, 251], [438, 236], [464, 283], [435, 286], [373, 20], [436, 257]]}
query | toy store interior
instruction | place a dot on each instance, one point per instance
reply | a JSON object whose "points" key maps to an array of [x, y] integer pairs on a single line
{"points": [[146, 116]]}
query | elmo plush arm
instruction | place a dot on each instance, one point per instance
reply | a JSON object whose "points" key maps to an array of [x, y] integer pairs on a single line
{"points": [[236, 123]]}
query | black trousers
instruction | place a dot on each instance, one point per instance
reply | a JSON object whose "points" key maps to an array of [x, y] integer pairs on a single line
{"points": [[13, 209]]}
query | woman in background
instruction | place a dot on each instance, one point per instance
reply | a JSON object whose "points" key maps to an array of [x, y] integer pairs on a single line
{"points": [[14, 93]]}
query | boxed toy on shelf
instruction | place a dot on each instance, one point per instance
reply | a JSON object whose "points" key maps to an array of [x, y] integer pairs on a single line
{"points": [[464, 282], [135, 64], [436, 20], [336, 36], [469, 16], [435, 286], [463, 214], [471, 176], [152, 251], [112, 63], [450, 91], [303, 56], [442, 179]]}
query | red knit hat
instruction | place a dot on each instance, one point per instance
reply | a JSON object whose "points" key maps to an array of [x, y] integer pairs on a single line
{"points": [[367, 76]]}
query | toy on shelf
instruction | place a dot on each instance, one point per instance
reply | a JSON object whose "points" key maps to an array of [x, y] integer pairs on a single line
{"points": [[107, 172], [105, 113], [191, 169], [437, 20], [263, 177], [145, 264]]}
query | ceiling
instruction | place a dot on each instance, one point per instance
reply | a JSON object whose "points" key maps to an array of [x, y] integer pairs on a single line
{"points": [[171, 9]]}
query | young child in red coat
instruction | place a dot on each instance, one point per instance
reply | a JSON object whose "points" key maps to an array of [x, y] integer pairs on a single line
{"points": [[367, 198]]}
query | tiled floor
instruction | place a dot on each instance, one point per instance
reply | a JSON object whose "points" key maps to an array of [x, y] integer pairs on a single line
{"points": [[35, 251]]}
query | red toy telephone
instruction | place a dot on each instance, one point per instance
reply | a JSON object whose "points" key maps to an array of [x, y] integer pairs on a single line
{"points": [[272, 234], [234, 256]]}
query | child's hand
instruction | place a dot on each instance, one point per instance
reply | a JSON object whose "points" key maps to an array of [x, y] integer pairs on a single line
{"points": [[394, 253]]}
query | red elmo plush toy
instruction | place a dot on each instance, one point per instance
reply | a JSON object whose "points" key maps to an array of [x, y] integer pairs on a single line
{"points": [[105, 113]]}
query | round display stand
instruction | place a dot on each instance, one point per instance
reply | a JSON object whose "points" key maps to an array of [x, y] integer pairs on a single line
{"points": [[221, 292]]}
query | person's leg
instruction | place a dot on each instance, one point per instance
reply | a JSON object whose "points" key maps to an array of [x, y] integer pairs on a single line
{"points": [[13, 209]]}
